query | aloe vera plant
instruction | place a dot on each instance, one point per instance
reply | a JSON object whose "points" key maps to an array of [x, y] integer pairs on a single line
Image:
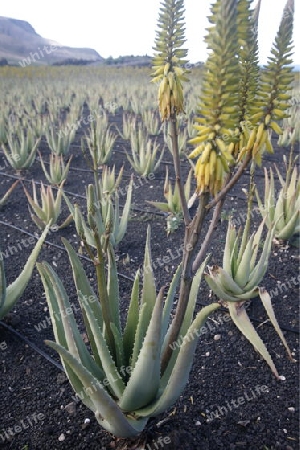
{"points": [[100, 141], [173, 206], [108, 183], [121, 381], [238, 279], [58, 170], [49, 209], [143, 153], [20, 150], [291, 127], [182, 141], [129, 124], [60, 141], [103, 213], [151, 122], [285, 211], [9, 295]]}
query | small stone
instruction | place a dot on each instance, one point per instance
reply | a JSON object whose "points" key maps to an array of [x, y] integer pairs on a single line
{"points": [[71, 408], [243, 423], [86, 423], [62, 437], [292, 409], [284, 430], [207, 354], [198, 423], [61, 378], [217, 337]]}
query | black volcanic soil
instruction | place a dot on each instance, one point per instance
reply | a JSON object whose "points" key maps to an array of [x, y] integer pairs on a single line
{"points": [[232, 400]]}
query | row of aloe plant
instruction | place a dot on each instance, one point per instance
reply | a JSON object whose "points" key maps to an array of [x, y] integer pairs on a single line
{"points": [[234, 94]]}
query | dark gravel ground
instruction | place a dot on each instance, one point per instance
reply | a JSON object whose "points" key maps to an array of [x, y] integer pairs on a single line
{"points": [[232, 400]]}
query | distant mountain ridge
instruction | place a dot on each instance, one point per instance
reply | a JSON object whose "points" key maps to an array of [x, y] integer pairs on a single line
{"points": [[21, 45]]}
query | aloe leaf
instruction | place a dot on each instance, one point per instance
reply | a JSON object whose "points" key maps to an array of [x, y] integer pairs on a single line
{"points": [[148, 297], [282, 182], [164, 207], [125, 214], [113, 288], [82, 283], [188, 317], [132, 320], [249, 294], [120, 357], [226, 282], [69, 204], [256, 242], [289, 229], [260, 269], [217, 289], [170, 301], [279, 211], [17, 287], [39, 222], [111, 373], [11, 160], [29, 160], [230, 239], [39, 211], [266, 300], [66, 222], [64, 318], [144, 381], [178, 378], [106, 410], [84, 289], [243, 270], [139, 335], [291, 188], [242, 321], [54, 311], [159, 160], [234, 255], [5, 197], [60, 337]]}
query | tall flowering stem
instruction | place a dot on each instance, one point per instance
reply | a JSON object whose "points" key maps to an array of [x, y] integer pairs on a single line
{"points": [[169, 71]]}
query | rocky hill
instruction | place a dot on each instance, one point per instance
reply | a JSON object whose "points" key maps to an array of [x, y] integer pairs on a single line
{"points": [[21, 45]]}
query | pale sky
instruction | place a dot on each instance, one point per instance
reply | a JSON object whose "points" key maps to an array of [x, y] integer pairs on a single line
{"points": [[125, 27]]}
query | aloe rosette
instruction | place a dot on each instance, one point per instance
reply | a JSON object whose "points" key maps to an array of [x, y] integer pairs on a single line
{"points": [[237, 281], [103, 212], [121, 381], [173, 206], [20, 150], [285, 210], [49, 209]]}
